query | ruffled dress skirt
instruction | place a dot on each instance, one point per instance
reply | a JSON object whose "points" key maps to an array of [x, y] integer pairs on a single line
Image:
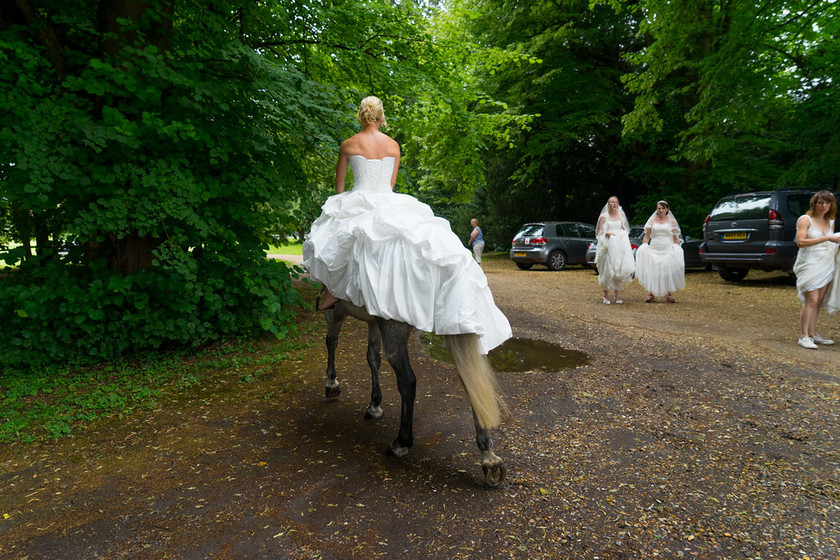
{"points": [[660, 265], [815, 268], [389, 253], [614, 260]]}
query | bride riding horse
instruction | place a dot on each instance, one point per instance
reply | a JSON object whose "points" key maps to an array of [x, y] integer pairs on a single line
{"points": [[385, 258]]}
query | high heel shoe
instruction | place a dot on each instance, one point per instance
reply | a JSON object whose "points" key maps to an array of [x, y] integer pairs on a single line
{"points": [[670, 299]]}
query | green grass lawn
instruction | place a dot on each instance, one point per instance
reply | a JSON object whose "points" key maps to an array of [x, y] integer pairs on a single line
{"points": [[292, 249]]}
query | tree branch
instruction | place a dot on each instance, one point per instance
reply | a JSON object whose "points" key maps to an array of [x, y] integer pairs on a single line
{"points": [[47, 35]]}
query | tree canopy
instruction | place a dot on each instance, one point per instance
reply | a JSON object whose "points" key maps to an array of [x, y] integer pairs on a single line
{"points": [[151, 149]]}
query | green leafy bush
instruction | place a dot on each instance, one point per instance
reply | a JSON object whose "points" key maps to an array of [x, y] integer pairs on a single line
{"points": [[57, 313]]}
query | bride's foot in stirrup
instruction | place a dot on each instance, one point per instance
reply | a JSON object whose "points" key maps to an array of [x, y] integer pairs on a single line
{"points": [[329, 300]]}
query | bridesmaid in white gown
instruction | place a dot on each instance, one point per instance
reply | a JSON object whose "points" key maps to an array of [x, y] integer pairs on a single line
{"points": [[815, 267], [389, 253], [614, 256], [660, 261]]}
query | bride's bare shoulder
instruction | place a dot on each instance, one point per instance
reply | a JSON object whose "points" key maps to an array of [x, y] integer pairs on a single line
{"points": [[393, 146]]}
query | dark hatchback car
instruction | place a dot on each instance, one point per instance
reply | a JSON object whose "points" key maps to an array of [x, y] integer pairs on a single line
{"points": [[554, 244], [753, 231]]}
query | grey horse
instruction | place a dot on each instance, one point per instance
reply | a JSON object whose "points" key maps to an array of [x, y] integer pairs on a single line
{"points": [[473, 368]]}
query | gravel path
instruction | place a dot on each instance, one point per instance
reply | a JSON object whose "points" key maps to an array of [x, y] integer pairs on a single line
{"points": [[698, 429]]}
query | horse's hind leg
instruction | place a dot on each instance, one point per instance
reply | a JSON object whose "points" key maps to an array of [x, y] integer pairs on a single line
{"points": [[395, 340], [334, 321], [492, 465], [374, 411]]}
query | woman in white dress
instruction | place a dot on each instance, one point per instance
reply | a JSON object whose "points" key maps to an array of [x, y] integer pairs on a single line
{"points": [[815, 267], [614, 256], [389, 253], [660, 261]]}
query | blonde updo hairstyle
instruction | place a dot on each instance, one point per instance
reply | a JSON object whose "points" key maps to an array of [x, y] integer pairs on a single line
{"points": [[371, 111]]}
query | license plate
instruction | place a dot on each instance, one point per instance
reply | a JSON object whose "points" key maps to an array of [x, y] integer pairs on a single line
{"points": [[735, 235], [519, 254]]}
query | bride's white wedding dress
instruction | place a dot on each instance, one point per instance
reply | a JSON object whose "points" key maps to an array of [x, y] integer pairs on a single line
{"points": [[389, 253], [660, 264], [614, 256], [816, 266]]}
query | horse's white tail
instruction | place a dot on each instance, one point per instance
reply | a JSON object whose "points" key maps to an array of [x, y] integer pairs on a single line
{"points": [[478, 378]]}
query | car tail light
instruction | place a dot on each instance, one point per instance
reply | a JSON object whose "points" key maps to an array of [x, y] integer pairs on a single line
{"points": [[539, 241], [770, 251], [775, 221], [706, 223], [634, 246]]}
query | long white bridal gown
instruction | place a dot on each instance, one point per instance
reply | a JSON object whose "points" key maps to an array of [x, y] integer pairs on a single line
{"points": [[389, 253]]}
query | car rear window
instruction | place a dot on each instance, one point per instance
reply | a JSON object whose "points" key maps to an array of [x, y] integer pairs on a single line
{"points": [[587, 229], [746, 207], [531, 229], [798, 203], [569, 230]]}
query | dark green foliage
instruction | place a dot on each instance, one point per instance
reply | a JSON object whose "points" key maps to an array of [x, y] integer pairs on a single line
{"points": [[158, 163], [58, 313], [169, 141], [655, 99], [572, 157]]}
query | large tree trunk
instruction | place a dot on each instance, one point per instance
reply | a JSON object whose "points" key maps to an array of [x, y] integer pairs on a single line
{"points": [[132, 252]]}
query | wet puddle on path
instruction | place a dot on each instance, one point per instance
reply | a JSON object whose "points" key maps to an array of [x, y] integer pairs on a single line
{"points": [[517, 354]]}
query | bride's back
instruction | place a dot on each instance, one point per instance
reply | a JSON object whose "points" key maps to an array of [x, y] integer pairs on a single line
{"points": [[371, 145]]}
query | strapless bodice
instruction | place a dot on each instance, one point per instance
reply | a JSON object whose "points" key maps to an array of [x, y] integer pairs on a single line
{"points": [[613, 226], [372, 175]]}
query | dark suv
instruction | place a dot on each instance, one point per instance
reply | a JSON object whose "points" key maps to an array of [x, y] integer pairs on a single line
{"points": [[554, 244], [753, 231]]}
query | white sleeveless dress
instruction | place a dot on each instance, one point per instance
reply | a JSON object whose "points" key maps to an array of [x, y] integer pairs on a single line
{"points": [[660, 264], [389, 253], [614, 257], [816, 267]]}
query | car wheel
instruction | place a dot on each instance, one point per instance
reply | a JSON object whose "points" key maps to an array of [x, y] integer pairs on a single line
{"points": [[733, 274], [556, 261], [523, 266]]}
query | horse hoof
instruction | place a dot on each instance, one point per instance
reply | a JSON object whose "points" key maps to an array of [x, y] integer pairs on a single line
{"points": [[397, 450], [333, 392], [374, 413], [494, 474]]}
